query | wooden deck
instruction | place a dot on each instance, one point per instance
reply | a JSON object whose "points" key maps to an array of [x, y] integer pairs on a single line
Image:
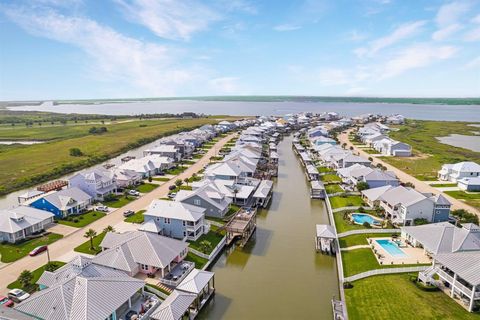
{"points": [[242, 226], [52, 186]]}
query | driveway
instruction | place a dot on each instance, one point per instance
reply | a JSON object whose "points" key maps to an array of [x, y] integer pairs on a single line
{"points": [[420, 186], [64, 247]]}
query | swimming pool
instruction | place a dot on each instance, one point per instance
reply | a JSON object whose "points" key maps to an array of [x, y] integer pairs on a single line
{"points": [[360, 218], [392, 248]]}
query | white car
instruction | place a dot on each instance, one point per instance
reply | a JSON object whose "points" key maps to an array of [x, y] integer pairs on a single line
{"points": [[134, 193], [102, 208], [18, 295]]}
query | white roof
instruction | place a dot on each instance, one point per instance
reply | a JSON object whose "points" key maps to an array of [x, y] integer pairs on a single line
{"points": [[174, 306], [168, 148], [326, 231], [464, 264], [470, 181], [208, 193], [20, 218], [263, 189], [467, 166], [375, 193], [195, 281], [66, 198], [174, 210], [402, 195]]}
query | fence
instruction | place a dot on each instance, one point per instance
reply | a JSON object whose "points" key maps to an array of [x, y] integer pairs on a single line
{"points": [[362, 231], [385, 271], [214, 252]]}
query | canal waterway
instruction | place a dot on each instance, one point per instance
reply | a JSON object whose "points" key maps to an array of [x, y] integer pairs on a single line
{"points": [[278, 274]]}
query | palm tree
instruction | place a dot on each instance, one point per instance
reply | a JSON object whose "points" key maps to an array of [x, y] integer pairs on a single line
{"points": [[235, 190], [186, 181], [90, 233], [25, 278], [205, 246], [194, 176], [109, 229], [178, 183]]}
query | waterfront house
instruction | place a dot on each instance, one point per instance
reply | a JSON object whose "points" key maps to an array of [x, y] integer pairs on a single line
{"points": [[372, 196], [201, 283], [179, 305], [395, 119], [240, 194], [373, 177], [141, 252], [403, 205], [317, 190], [312, 172], [469, 184], [458, 171], [21, 222], [125, 178], [325, 239], [63, 203], [208, 197], [79, 290], [345, 160], [176, 219], [98, 183], [29, 195], [263, 194], [165, 150]]}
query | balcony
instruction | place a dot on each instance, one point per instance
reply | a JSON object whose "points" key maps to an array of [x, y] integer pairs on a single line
{"points": [[177, 273]]}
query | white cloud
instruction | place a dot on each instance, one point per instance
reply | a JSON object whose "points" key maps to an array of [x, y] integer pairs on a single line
{"points": [[404, 31], [239, 6], [414, 57], [355, 91], [446, 32], [472, 35], [475, 63], [451, 12], [169, 19], [150, 67], [476, 19], [286, 27]]}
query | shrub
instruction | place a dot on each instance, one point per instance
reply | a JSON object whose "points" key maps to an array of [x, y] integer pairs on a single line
{"points": [[94, 214], [367, 225], [361, 210], [362, 186], [347, 285], [465, 216], [420, 221], [75, 152], [75, 220]]}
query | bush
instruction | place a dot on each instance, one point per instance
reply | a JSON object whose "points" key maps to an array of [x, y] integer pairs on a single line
{"points": [[420, 221], [347, 285], [465, 216], [95, 130], [361, 210], [75, 152], [362, 186], [367, 225], [110, 197], [94, 214], [75, 220]]}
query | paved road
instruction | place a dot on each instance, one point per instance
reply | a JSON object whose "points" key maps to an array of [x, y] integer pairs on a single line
{"points": [[63, 247], [404, 177]]}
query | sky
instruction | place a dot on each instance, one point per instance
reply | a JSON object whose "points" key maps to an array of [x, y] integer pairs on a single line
{"points": [[82, 49]]}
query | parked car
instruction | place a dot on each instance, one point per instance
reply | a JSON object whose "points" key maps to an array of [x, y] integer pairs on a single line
{"points": [[172, 195], [18, 295], [102, 208], [128, 213], [37, 250], [5, 302], [172, 187], [134, 193]]}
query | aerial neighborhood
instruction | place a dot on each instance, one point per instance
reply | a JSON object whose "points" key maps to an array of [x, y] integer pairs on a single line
{"points": [[172, 210]]}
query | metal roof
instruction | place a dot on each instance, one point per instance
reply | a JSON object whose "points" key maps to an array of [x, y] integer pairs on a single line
{"points": [[174, 210], [174, 306], [21, 217], [464, 264], [326, 231], [195, 281]]}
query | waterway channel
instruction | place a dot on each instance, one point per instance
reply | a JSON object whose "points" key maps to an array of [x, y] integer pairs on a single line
{"points": [[278, 274]]}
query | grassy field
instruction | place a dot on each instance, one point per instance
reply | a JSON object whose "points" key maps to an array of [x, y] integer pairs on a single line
{"points": [[429, 153], [361, 260], [36, 275], [360, 239], [395, 297], [25, 166], [472, 199], [348, 201], [12, 252], [146, 187], [85, 247], [136, 218], [213, 237], [82, 220]]}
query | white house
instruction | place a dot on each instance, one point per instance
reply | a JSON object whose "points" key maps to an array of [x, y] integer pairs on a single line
{"points": [[97, 182], [457, 171], [469, 184], [165, 150], [20, 222]]}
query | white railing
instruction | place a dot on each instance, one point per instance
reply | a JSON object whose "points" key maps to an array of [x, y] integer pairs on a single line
{"points": [[174, 283], [348, 208], [361, 231], [214, 252], [385, 271]]}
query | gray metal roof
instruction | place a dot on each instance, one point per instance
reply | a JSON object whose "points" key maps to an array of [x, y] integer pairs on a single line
{"points": [[67, 198], [174, 306], [464, 264], [195, 281], [263, 189], [174, 210], [326, 231], [21, 217]]}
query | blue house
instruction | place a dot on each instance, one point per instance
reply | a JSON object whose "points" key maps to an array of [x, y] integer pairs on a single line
{"points": [[64, 202]]}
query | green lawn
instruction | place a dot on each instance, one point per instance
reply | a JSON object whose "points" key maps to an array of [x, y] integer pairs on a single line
{"points": [[12, 252], [136, 218], [85, 247], [82, 220], [443, 185], [146, 187], [324, 169], [330, 178], [396, 297], [36, 275], [199, 261], [162, 179], [343, 225], [333, 188], [119, 201], [472, 199], [360, 239], [361, 260], [348, 201], [197, 156], [429, 153], [213, 237], [176, 171]]}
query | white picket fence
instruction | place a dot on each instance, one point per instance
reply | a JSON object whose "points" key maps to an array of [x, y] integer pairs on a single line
{"points": [[384, 271], [361, 231], [214, 252]]}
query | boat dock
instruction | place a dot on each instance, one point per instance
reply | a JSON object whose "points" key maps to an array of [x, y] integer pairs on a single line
{"points": [[242, 226]]}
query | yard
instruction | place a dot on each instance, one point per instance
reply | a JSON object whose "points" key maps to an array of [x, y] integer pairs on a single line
{"points": [[81, 220], [136, 218], [360, 239], [199, 261], [212, 237], [348, 201], [161, 179], [324, 169], [333, 188], [36, 275], [444, 185], [118, 201], [343, 224], [361, 260], [176, 171], [330, 178], [146, 187], [396, 297], [471, 198], [429, 153], [11, 252], [85, 247]]}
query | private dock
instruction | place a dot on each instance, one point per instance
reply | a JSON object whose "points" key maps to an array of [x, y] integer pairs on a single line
{"points": [[52, 186], [242, 226]]}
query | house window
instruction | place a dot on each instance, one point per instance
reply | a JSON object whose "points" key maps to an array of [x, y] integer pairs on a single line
{"points": [[184, 233], [166, 220], [184, 223], [144, 267], [196, 202]]}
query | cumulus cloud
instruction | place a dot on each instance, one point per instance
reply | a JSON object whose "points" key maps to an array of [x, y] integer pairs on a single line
{"points": [[402, 32], [169, 19]]}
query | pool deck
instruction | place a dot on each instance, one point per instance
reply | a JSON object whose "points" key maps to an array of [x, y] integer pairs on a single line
{"points": [[413, 255]]}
